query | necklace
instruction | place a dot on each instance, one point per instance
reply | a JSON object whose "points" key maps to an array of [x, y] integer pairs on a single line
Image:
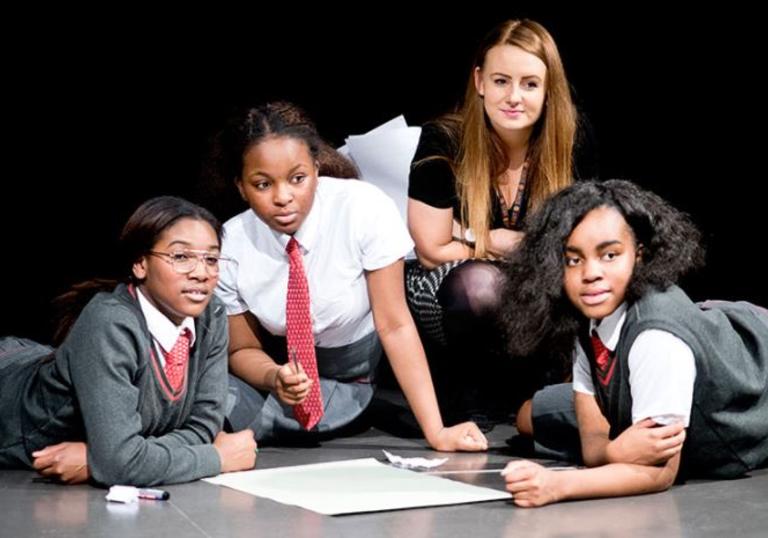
{"points": [[511, 215]]}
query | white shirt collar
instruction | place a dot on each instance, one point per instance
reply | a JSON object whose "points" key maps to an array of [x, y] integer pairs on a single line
{"points": [[162, 329], [609, 328]]}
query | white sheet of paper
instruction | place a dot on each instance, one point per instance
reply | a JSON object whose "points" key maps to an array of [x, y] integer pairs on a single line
{"points": [[353, 486], [395, 123], [384, 159], [383, 155], [414, 463]]}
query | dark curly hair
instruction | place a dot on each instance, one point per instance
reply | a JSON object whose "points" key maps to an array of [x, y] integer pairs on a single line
{"points": [[536, 314]]}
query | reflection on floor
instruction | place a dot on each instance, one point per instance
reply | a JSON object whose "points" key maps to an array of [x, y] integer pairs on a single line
{"points": [[726, 508]]}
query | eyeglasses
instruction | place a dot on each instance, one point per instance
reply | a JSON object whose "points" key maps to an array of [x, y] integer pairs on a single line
{"points": [[185, 261]]}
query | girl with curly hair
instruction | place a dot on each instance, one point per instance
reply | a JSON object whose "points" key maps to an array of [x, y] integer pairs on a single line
{"points": [[663, 387]]}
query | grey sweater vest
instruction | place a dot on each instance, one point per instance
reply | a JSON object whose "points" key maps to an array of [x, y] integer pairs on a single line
{"points": [[728, 431]]}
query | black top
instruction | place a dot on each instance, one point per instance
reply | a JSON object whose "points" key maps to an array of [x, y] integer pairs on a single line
{"points": [[433, 182]]}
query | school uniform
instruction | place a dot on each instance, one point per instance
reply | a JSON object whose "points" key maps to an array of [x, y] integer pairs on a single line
{"points": [[674, 360], [351, 228], [106, 386]]}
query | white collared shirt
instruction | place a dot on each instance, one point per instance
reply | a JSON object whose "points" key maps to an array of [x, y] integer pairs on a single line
{"points": [[164, 332], [352, 227], [662, 370]]}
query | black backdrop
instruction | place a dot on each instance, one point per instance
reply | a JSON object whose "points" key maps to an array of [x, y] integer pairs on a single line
{"points": [[102, 115]]}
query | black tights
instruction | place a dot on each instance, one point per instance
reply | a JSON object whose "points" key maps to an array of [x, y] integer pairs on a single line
{"points": [[469, 297], [477, 375]]}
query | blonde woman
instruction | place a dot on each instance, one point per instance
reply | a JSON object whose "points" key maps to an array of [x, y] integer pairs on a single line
{"points": [[475, 176]]}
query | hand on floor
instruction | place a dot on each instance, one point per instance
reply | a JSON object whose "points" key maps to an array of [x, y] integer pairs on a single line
{"points": [[466, 436], [66, 462]]}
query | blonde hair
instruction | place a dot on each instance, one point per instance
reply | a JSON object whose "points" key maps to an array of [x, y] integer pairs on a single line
{"points": [[482, 156]]}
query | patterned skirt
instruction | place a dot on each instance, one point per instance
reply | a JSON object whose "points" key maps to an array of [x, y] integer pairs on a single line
{"points": [[421, 287]]}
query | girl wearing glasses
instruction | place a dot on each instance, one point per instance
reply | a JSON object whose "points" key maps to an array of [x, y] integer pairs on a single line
{"points": [[135, 392]]}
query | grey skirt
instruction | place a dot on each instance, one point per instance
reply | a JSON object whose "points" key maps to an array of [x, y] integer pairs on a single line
{"points": [[347, 382]]}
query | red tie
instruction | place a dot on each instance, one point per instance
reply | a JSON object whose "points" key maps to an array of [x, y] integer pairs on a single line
{"points": [[603, 359], [298, 333], [176, 360]]}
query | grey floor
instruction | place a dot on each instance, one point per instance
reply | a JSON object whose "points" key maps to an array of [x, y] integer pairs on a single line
{"points": [[33, 508]]}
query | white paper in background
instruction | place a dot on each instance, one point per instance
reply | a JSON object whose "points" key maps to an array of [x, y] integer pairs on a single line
{"points": [[383, 156], [414, 463], [353, 486], [394, 123], [384, 159]]}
